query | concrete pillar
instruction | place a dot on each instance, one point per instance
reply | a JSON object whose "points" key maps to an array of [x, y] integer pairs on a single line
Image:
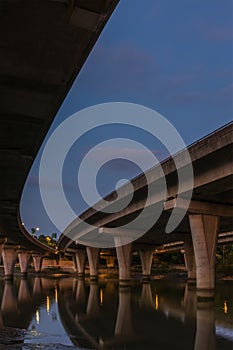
{"points": [[37, 260], [3, 240], [204, 229], [9, 256], [74, 263], [189, 259], [1, 248], [146, 260], [93, 259], [80, 257], [205, 327], [24, 257], [124, 255]]}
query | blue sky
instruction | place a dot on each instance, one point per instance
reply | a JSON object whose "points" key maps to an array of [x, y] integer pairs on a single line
{"points": [[172, 56]]}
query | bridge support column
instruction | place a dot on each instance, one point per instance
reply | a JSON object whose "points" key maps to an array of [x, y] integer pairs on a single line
{"points": [[80, 257], [146, 260], [2, 241], [204, 234], [189, 259], [1, 248], [74, 263], [23, 262], [93, 259], [9, 256], [124, 254], [37, 260]]}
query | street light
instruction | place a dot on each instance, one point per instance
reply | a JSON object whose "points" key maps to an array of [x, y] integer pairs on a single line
{"points": [[34, 230]]}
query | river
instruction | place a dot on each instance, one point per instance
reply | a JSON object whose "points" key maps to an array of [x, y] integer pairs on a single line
{"points": [[60, 312]]}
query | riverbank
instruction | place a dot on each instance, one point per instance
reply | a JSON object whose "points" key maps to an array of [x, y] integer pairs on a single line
{"points": [[223, 273]]}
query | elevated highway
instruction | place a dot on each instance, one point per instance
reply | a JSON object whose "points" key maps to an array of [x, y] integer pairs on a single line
{"points": [[44, 44], [209, 212]]}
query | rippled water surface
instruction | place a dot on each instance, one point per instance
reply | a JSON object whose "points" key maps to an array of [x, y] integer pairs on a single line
{"points": [[67, 313]]}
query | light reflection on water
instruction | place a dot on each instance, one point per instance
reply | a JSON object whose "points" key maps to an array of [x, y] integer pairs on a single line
{"points": [[67, 313]]}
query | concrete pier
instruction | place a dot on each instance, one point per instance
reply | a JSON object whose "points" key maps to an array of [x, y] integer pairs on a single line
{"points": [[9, 256], [93, 259], [146, 260], [24, 257], [204, 229], [80, 257], [75, 263], [37, 259], [189, 259], [124, 255]]}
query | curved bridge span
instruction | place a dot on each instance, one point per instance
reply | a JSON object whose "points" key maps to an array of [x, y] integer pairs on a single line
{"points": [[44, 44]]}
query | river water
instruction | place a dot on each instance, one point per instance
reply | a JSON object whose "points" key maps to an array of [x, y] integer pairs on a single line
{"points": [[66, 313]]}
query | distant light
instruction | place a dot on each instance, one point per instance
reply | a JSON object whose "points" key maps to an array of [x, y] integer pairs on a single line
{"points": [[101, 297], [22, 223], [37, 229], [56, 298], [47, 304], [225, 308], [156, 302], [37, 317]]}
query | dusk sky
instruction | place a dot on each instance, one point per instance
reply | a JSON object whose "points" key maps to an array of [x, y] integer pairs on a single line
{"points": [[172, 56]]}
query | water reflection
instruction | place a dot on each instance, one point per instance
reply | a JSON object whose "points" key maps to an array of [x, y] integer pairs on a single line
{"points": [[89, 315]]}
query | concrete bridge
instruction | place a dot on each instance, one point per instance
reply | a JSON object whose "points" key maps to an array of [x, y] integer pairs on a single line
{"points": [[44, 44], [209, 214]]}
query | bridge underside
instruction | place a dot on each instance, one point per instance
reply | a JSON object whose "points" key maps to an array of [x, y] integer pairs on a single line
{"points": [[44, 44], [208, 213], [212, 192]]}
